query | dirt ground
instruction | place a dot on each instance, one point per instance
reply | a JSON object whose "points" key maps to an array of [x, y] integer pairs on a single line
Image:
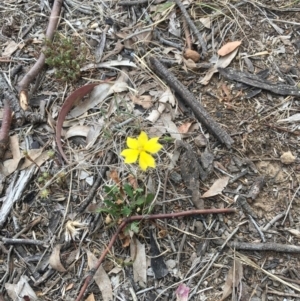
{"points": [[61, 208]]}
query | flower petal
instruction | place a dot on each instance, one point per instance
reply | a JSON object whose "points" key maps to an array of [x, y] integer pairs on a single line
{"points": [[146, 161], [142, 139], [152, 146], [131, 155], [132, 143]]}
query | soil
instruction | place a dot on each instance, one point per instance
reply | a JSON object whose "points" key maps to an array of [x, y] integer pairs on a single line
{"points": [[61, 212]]}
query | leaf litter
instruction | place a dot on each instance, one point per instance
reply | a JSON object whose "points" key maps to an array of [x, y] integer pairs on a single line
{"points": [[126, 96]]}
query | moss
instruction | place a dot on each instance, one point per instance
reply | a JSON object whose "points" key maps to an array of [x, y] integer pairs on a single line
{"points": [[63, 55]]}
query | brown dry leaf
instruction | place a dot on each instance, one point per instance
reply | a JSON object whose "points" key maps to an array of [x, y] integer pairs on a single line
{"points": [[69, 286], [144, 100], [223, 62], [9, 166], [114, 176], [90, 297], [184, 128], [37, 155], [229, 47], [216, 188], [132, 180], [233, 279], [100, 277], [192, 54], [138, 255], [54, 259]]}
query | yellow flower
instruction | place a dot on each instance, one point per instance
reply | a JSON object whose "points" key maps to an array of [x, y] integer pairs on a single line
{"points": [[141, 148]]}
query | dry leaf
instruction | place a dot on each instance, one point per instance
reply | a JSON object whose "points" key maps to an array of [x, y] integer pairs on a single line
{"points": [[90, 297], [223, 62], [77, 130], [144, 100], [9, 166], [294, 232], [192, 54], [109, 64], [291, 119], [54, 259], [100, 277], [170, 126], [11, 47], [21, 290], [37, 156], [206, 22], [229, 47], [233, 279], [184, 128], [138, 254], [216, 188]]}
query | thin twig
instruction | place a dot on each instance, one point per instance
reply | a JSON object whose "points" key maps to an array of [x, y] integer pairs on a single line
{"points": [[268, 246], [39, 64], [193, 27], [5, 126], [134, 2], [131, 219], [289, 207], [199, 111]]}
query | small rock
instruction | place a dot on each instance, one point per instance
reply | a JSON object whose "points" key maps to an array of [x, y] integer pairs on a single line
{"points": [[287, 158]]}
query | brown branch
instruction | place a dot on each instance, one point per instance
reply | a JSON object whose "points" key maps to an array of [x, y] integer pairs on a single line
{"points": [[5, 126], [39, 64], [131, 219], [199, 111], [193, 27]]}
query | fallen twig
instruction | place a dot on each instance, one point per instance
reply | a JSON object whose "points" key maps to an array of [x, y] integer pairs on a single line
{"points": [[256, 81], [199, 111], [5, 126], [268, 246], [131, 219], [106, 162], [193, 27], [134, 2], [39, 64]]}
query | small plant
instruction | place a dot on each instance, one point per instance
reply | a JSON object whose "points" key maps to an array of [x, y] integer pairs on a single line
{"points": [[62, 55], [124, 201]]}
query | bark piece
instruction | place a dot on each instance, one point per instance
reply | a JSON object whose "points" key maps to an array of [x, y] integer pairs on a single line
{"points": [[199, 111], [256, 81]]}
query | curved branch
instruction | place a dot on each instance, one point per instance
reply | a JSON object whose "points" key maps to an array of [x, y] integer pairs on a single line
{"points": [[131, 219], [39, 64]]}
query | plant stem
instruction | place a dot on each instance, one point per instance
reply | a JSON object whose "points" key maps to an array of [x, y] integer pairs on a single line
{"points": [[131, 219]]}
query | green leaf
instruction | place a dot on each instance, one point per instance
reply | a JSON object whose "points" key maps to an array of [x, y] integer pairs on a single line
{"points": [[126, 211], [134, 227], [128, 189], [140, 201], [149, 198]]}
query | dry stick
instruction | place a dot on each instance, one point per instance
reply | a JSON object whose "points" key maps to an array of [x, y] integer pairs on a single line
{"points": [[5, 126], [97, 183], [199, 111], [268, 246], [39, 64], [139, 218], [129, 3], [193, 27]]}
